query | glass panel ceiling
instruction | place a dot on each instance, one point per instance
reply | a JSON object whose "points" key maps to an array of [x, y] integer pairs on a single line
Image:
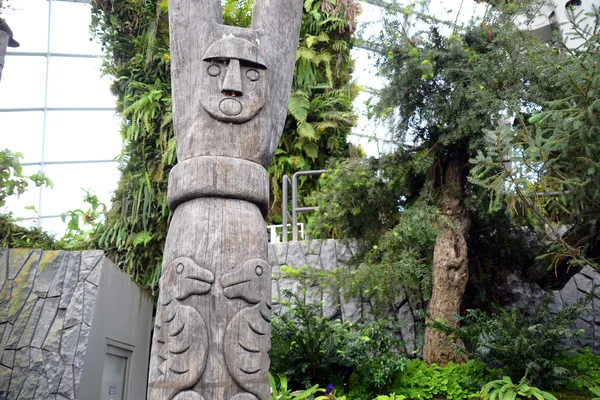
{"points": [[28, 19], [90, 135], [60, 142], [75, 39], [23, 82]]}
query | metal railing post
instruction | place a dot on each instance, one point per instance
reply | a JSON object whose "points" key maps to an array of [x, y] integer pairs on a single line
{"points": [[284, 211], [295, 208]]}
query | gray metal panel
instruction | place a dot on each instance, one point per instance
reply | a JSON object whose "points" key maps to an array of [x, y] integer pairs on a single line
{"points": [[123, 315]]}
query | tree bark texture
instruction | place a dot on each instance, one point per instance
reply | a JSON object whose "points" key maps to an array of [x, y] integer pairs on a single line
{"points": [[230, 93], [450, 269]]}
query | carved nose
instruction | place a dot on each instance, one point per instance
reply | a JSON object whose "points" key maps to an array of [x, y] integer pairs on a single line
{"points": [[232, 83]]}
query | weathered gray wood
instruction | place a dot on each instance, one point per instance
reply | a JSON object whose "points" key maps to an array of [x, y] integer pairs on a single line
{"points": [[195, 26], [230, 93]]}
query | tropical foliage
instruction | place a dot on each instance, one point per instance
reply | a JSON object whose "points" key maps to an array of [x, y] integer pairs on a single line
{"points": [[309, 348], [454, 381], [12, 179], [553, 178], [14, 182], [320, 107], [451, 91], [135, 39], [525, 345], [14, 236], [505, 389]]}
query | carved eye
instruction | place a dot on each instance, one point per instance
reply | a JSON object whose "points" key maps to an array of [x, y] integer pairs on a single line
{"points": [[259, 270], [253, 75], [179, 268], [214, 70]]}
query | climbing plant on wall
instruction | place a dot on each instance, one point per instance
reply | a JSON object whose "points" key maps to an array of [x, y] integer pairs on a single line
{"points": [[135, 38]]}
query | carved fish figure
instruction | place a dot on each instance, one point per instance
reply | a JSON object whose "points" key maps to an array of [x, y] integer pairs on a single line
{"points": [[182, 337], [248, 334]]}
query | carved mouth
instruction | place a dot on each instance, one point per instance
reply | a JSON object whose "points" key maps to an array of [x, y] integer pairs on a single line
{"points": [[179, 372], [230, 107], [199, 279], [235, 284], [250, 372], [177, 352]]}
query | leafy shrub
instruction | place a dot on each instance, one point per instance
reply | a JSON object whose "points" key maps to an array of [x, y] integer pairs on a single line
{"points": [[522, 345], [82, 224], [505, 389], [15, 236], [373, 352], [304, 344], [12, 180], [280, 390], [584, 370], [312, 349], [390, 397], [368, 200], [359, 198], [453, 381]]}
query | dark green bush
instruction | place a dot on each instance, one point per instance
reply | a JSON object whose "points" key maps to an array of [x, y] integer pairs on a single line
{"points": [[304, 344], [584, 370], [373, 352], [15, 236], [523, 345], [311, 349]]}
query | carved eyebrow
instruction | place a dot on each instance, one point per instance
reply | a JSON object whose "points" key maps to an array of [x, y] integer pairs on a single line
{"points": [[243, 62], [235, 48]]}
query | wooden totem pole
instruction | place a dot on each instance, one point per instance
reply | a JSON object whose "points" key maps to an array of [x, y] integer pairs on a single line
{"points": [[231, 88]]}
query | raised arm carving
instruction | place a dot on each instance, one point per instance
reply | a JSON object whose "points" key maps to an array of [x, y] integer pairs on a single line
{"points": [[231, 88]]}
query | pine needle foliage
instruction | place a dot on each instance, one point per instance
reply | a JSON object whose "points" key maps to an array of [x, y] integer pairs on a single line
{"points": [[524, 345], [553, 178], [444, 90], [135, 38]]}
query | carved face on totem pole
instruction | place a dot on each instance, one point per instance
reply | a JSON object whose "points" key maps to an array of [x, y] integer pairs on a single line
{"points": [[234, 79], [231, 87]]}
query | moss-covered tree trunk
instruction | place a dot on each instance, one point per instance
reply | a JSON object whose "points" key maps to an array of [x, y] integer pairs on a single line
{"points": [[450, 265]]}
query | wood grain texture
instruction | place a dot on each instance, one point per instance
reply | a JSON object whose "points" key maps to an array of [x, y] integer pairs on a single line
{"points": [[195, 26], [219, 177], [220, 236], [231, 88]]}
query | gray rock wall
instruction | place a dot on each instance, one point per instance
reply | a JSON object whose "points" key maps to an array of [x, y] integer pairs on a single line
{"points": [[528, 297], [46, 307], [328, 254], [58, 310]]}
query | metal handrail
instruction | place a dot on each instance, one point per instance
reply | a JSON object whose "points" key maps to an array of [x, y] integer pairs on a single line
{"points": [[284, 211], [295, 208]]}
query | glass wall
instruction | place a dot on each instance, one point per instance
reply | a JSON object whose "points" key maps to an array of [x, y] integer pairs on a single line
{"points": [[57, 110], [373, 137]]}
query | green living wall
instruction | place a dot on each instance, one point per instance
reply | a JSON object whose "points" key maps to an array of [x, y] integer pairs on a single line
{"points": [[135, 37]]}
